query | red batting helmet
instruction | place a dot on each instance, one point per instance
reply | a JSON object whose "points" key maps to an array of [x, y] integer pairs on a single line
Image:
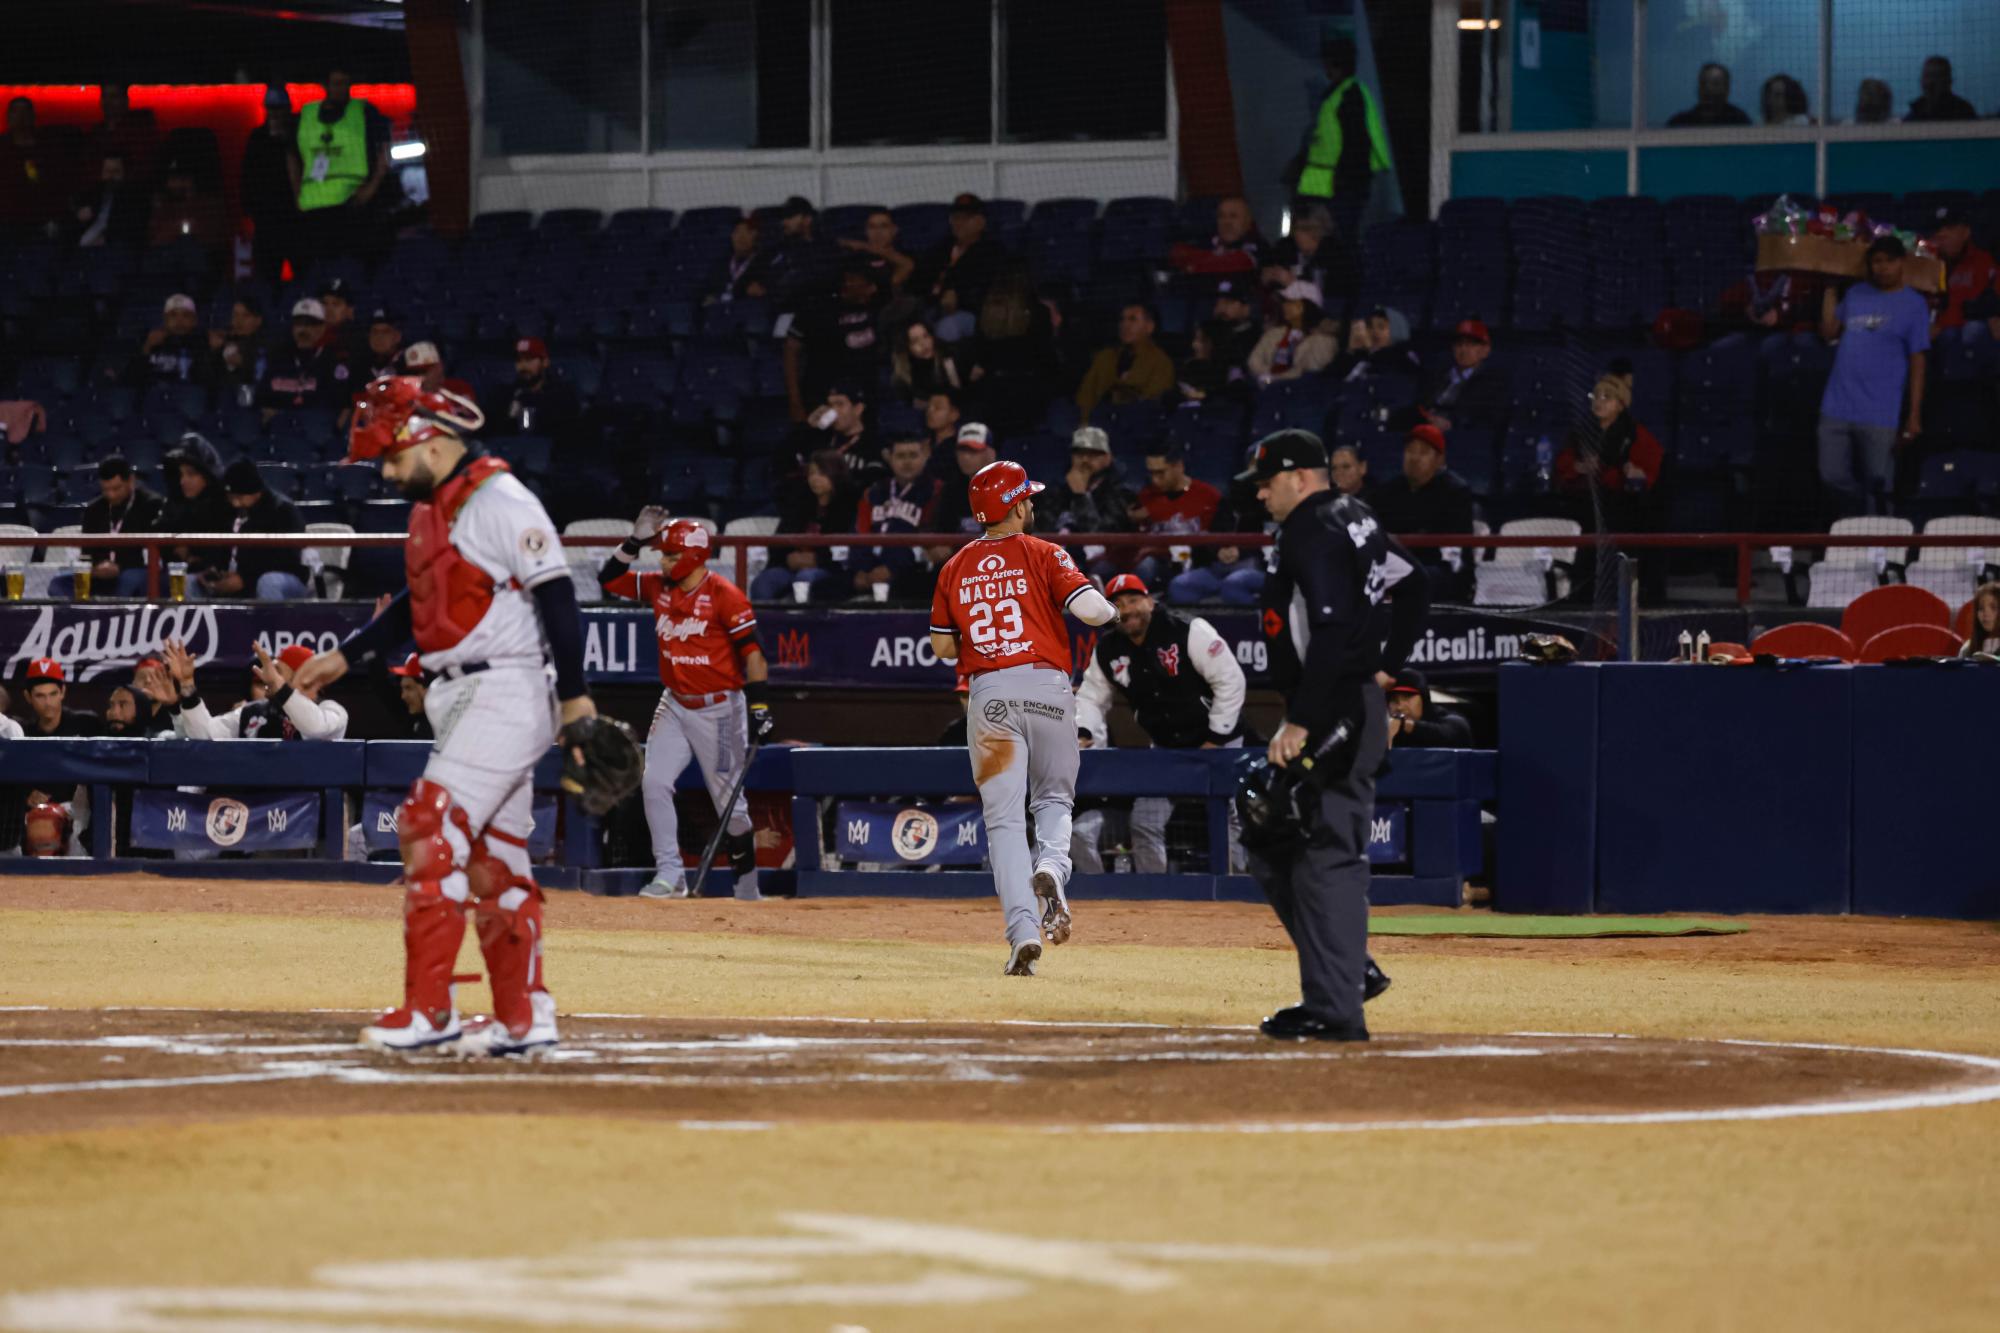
{"points": [[685, 544], [997, 488], [45, 830], [396, 411]]}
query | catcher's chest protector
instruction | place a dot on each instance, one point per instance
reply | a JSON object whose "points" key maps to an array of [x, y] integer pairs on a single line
{"points": [[448, 593]]}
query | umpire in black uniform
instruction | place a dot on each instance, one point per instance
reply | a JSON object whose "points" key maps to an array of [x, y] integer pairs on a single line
{"points": [[1332, 647]]}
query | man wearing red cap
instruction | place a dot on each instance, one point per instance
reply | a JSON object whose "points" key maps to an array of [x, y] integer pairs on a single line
{"points": [[1429, 499], [1469, 391], [998, 613], [412, 687], [47, 687], [539, 402], [283, 713]]}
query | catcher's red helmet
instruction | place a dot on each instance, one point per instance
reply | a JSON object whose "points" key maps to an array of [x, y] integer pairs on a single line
{"points": [[997, 488], [396, 411], [45, 830], [685, 544]]}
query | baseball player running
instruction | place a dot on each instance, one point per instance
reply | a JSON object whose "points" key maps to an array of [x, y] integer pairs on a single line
{"points": [[997, 612], [489, 604], [715, 704]]}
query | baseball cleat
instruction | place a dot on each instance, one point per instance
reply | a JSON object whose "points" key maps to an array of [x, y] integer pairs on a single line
{"points": [[1295, 1024], [488, 1038], [1373, 982], [663, 888], [746, 889], [1055, 906], [1021, 959], [403, 1030]]}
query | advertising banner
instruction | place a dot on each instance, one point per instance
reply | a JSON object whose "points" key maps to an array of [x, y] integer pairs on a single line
{"points": [[915, 835], [270, 821]]}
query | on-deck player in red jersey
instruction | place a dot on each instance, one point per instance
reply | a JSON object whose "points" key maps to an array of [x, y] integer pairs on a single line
{"points": [[711, 664]]}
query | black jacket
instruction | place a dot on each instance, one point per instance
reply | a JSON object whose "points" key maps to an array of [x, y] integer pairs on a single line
{"points": [[269, 514], [1158, 677], [140, 514], [1480, 399], [550, 409], [208, 512]]}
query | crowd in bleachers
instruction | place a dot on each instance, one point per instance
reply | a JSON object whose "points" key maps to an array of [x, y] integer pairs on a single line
{"points": [[727, 363]]}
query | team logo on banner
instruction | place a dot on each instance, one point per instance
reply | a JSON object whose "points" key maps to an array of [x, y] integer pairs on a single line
{"points": [[913, 834], [794, 648], [228, 820]]}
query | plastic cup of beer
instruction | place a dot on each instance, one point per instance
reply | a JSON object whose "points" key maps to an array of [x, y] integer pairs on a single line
{"points": [[17, 582], [802, 591], [881, 592], [82, 572], [177, 581]]}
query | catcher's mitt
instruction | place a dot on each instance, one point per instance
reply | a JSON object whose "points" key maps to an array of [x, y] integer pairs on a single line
{"points": [[601, 762], [1547, 649]]}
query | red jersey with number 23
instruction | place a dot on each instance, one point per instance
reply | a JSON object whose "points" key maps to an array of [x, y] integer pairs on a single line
{"points": [[697, 632], [1004, 597]]}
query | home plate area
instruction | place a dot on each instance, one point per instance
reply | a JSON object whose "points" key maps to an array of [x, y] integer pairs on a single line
{"points": [[62, 1069]]}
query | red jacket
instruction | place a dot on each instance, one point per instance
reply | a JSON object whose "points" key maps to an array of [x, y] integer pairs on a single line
{"points": [[1970, 278], [1644, 450]]}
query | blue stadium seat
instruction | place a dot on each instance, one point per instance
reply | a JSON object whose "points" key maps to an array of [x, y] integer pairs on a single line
{"points": [[280, 479], [923, 225], [568, 224], [511, 224], [352, 482], [845, 221], [1473, 453], [528, 455]]}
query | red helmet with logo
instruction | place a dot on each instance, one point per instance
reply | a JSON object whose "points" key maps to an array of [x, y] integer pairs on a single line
{"points": [[685, 544], [45, 830], [997, 488], [397, 411]]}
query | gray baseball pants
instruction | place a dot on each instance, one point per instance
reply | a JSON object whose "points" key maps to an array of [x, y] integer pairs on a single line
{"points": [[1021, 730], [716, 737]]}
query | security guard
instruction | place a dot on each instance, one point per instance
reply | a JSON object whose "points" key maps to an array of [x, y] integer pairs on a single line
{"points": [[1185, 687], [1345, 148], [1332, 646]]}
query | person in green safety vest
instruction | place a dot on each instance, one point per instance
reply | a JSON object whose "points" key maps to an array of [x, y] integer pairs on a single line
{"points": [[338, 164], [1344, 147]]}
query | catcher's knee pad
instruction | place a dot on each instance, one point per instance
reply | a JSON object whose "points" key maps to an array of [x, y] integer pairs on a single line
{"points": [[510, 940], [420, 827], [742, 849], [433, 925], [488, 871]]}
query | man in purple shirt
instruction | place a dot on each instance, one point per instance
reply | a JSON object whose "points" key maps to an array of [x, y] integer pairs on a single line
{"points": [[1883, 331]]}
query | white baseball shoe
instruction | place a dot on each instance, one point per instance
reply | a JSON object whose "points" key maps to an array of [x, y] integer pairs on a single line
{"points": [[663, 888], [1055, 905], [488, 1038], [747, 890], [401, 1031], [1021, 959]]}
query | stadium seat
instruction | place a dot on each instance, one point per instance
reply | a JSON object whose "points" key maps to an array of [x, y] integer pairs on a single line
{"points": [[1846, 572], [332, 559], [1909, 641], [1527, 576], [1891, 606], [1953, 572], [755, 525], [1805, 638]]}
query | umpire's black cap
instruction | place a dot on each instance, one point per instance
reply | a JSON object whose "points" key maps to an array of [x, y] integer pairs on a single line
{"points": [[1283, 451]]}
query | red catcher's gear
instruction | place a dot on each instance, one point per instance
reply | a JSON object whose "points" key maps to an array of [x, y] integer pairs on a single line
{"points": [[396, 411], [45, 830], [685, 544], [997, 488], [433, 924], [508, 911], [448, 593]]}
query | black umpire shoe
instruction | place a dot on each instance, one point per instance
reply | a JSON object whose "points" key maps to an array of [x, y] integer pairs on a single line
{"points": [[1373, 982], [1295, 1024]]}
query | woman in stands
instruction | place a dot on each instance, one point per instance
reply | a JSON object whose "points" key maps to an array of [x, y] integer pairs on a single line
{"points": [[1609, 471], [827, 502], [923, 366], [1985, 638], [1296, 345]]}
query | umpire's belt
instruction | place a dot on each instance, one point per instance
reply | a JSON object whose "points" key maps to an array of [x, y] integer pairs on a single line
{"points": [[702, 700]]}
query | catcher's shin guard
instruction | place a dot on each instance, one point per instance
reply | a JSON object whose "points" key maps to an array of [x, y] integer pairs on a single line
{"points": [[508, 907], [433, 920]]}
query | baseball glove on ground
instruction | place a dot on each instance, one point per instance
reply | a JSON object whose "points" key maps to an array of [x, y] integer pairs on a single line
{"points": [[601, 762]]}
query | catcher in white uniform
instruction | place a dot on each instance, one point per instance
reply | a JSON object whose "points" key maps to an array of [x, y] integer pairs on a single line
{"points": [[491, 608]]}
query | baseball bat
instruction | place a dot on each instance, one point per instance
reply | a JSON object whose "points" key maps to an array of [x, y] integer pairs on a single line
{"points": [[722, 822]]}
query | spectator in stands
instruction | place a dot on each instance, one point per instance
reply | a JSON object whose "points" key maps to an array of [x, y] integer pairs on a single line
{"points": [[299, 373], [341, 336], [174, 353], [957, 274], [411, 689], [123, 506], [540, 401], [1712, 105], [1783, 101], [1346, 145], [1609, 449], [1377, 344], [1172, 504], [841, 424], [385, 345], [1235, 310], [1970, 274], [1015, 351], [34, 177], [1303, 256], [265, 188], [185, 212], [422, 360], [973, 451], [921, 365], [1296, 345], [1874, 104], [824, 501], [1204, 374], [112, 210], [1233, 248], [130, 135], [1227, 573], [835, 343], [270, 574], [49, 713], [1349, 469], [198, 504], [877, 244], [1091, 496], [743, 272], [339, 165], [1428, 499], [1468, 392], [904, 501], [1883, 332], [1416, 721], [130, 714], [942, 415], [1939, 102], [1985, 639], [1134, 370], [802, 268]]}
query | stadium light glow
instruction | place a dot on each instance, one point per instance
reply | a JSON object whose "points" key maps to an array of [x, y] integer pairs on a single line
{"points": [[1477, 25], [406, 152]]}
